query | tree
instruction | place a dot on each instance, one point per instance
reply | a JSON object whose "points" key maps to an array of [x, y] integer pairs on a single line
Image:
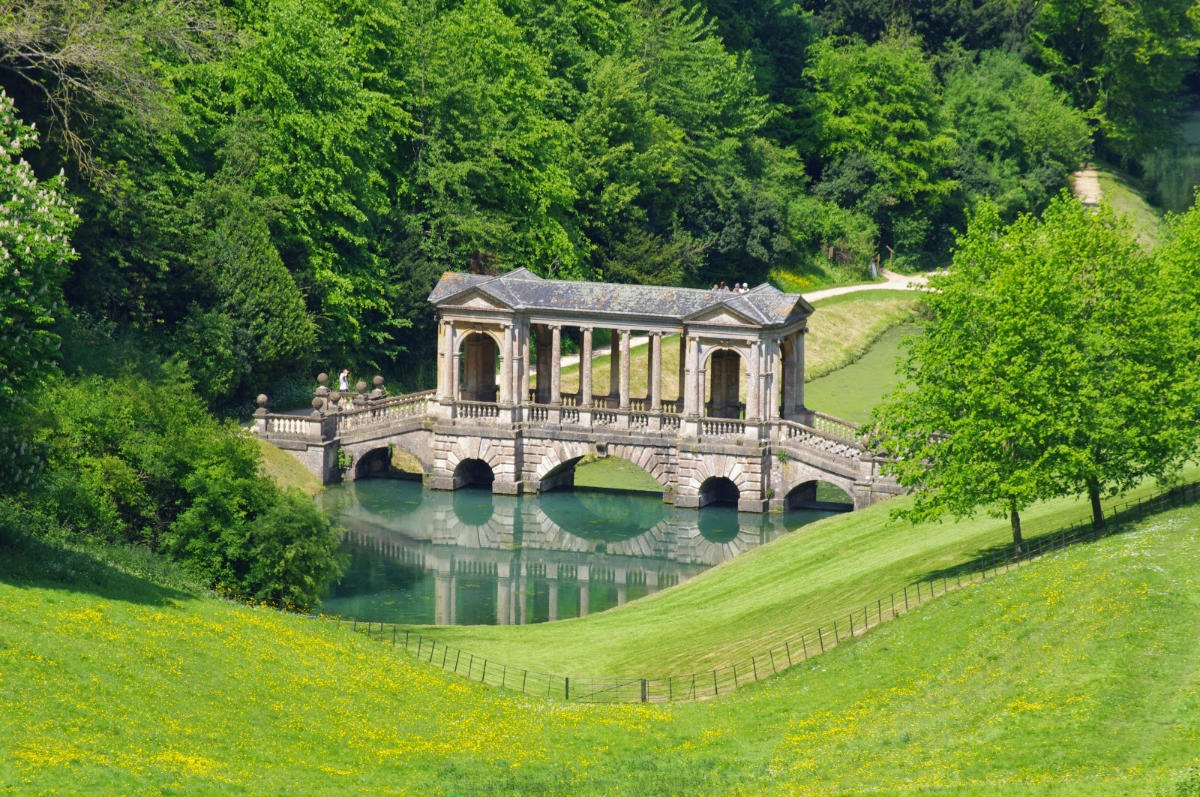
{"points": [[1018, 136], [885, 146], [36, 222], [1041, 370], [1122, 61]]}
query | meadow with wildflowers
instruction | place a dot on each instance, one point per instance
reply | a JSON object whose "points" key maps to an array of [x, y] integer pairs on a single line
{"points": [[1078, 672]]}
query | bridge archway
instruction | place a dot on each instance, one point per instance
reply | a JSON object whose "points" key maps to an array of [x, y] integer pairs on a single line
{"points": [[725, 374], [374, 463], [473, 473], [818, 494], [557, 467], [719, 490]]}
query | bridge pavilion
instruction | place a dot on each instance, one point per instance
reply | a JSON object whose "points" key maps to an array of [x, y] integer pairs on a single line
{"points": [[729, 425]]}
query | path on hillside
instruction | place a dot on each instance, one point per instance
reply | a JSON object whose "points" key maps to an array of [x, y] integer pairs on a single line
{"points": [[1087, 186], [892, 282]]}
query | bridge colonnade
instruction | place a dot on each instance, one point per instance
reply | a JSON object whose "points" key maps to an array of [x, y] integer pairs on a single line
{"points": [[734, 427]]}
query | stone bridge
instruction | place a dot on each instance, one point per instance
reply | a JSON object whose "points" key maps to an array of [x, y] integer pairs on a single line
{"points": [[736, 431]]}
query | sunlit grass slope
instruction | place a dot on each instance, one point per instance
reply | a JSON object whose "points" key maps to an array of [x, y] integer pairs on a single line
{"points": [[853, 391], [1129, 201], [746, 605], [1077, 674], [286, 471]]}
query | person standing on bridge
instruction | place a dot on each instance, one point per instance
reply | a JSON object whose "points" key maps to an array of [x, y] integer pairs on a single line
{"points": [[344, 380]]}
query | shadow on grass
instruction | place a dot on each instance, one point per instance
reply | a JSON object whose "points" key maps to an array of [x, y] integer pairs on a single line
{"points": [[1118, 521], [26, 561]]}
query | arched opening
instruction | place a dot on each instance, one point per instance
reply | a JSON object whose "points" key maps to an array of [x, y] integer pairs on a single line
{"points": [[819, 495], [473, 473], [720, 491], [478, 367], [724, 397], [375, 463]]}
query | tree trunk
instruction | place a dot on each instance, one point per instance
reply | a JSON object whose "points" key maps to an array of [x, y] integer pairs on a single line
{"points": [[1015, 519], [1097, 511]]}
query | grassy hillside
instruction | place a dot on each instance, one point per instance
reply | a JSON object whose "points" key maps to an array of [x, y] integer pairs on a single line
{"points": [[286, 471], [1077, 674], [853, 391], [743, 606], [1128, 200]]}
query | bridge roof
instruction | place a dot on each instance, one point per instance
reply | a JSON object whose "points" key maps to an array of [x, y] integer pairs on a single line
{"points": [[522, 290]]}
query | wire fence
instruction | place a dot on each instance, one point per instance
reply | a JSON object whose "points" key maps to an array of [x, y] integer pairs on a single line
{"points": [[798, 646]]}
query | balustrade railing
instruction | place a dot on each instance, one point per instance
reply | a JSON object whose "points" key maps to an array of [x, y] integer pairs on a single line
{"points": [[384, 411], [810, 437], [836, 427], [297, 425], [476, 409], [722, 427]]}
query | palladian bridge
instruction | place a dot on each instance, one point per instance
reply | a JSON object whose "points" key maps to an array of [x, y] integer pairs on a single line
{"points": [[721, 416]]}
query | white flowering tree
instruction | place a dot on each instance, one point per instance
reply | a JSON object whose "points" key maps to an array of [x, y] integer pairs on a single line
{"points": [[36, 222]]}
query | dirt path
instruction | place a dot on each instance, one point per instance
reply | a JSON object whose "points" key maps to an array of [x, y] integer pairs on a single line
{"points": [[894, 282], [1087, 186]]}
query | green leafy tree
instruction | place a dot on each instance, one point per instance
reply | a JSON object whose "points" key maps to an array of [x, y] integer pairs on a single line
{"points": [[36, 222], [1018, 136], [1122, 61], [1041, 370], [141, 461], [886, 149]]}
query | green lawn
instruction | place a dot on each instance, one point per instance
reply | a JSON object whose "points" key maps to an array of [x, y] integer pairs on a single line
{"points": [[744, 606], [1077, 674], [1128, 200], [853, 391]]}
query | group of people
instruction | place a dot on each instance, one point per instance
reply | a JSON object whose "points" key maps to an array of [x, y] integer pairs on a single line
{"points": [[738, 287]]}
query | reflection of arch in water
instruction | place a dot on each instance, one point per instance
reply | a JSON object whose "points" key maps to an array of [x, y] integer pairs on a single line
{"points": [[818, 494], [607, 516]]}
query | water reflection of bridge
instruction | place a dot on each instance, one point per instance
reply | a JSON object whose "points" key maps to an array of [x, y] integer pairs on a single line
{"points": [[542, 571]]}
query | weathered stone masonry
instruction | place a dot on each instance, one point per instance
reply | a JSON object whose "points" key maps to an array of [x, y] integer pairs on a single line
{"points": [[737, 427]]}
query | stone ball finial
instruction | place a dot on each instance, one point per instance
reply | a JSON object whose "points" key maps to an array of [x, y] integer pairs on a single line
{"points": [[322, 378], [377, 381], [361, 387], [335, 396], [261, 400], [317, 403]]}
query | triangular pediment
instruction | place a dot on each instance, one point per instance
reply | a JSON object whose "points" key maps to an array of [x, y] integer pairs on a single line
{"points": [[476, 299], [722, 315]]}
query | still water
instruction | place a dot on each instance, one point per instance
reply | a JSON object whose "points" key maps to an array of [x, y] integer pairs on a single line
{"points": [[470, 557]]}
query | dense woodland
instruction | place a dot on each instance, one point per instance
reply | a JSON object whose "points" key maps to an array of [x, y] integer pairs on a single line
{"points": [[209, 198]]}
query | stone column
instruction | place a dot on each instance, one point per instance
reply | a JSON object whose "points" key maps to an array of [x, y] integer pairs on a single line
{"points": [[555, 364], [655, 388], [692, 389], [506, 364], [753, 392], [523, 381], [446, 347], [624, 386], [682, 366], [455, 359], [614, 363], [622, 586], [443, 591], [585, 367]]}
